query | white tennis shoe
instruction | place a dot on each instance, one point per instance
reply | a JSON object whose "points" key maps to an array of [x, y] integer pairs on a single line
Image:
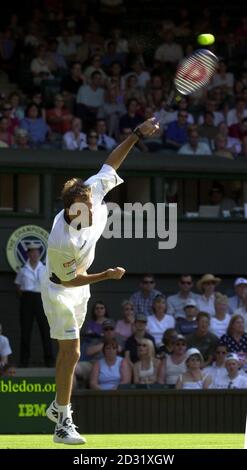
{"points": [[66, 433], [52, 412]]}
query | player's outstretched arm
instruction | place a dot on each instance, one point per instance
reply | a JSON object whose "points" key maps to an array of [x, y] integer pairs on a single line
{"points": [[83, 279], [118, 155]]}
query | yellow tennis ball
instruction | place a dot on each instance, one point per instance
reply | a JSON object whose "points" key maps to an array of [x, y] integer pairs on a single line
{"points": [[205, 39]]}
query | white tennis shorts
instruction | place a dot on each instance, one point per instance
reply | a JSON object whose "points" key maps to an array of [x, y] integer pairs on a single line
{"points": [[65, 308]]}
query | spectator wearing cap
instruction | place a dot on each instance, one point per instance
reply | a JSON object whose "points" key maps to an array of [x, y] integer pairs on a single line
{"points": [[146, 368], [111, 370], [193, 378], [203, 339], [236, 301], [188, 325], [125, 327], [5, 349], [92, 350], [235, 338], [143, 299], [219, 323], [176, 303], [173, 365], [168, 340], [233, 377], [206, 301], [132, 342], [28, 285], [159, 321], [217, 370]]}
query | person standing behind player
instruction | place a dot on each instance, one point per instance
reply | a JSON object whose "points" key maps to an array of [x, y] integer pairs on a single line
{"points": [[65, 289]]}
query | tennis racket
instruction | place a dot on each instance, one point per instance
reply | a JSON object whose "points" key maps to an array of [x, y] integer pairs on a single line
{"points": [[193, 73]]}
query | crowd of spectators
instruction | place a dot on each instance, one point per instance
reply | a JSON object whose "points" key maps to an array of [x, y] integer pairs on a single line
{"points": [[70, 79]]}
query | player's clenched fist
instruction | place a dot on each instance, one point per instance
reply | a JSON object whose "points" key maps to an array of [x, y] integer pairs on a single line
{"points": [[115, 273]]}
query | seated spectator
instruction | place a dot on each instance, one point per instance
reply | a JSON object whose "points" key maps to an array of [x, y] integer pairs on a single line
{"points": [[211, 106], [217, 198], [143, 299], [207, 131], [235, 339], [233, 378], [159, 321], [132, 342], [89, 99], [220, 147], [71, 83], [243, 310], [95, 66], [206, 285], [92, 350], [236, 301], [223, 79], [202, 339], [99, 314], [193, 378], [133, 91], [112, 110], [194, 146], [146, 368], [176, 134], [56, 61], [219, 323], [75, 139], [125, 327], [13, 121], [104, 140], [132, 118], [188, 325], [5, 136], [168, 341], [111, 370], [173, 364], [5, 349], [66, 46], [36, 126], [217, 370], [176, 302], [17, 111], [40, 67], [59, 118], [21, 140], [92, 142], [232, 144]]}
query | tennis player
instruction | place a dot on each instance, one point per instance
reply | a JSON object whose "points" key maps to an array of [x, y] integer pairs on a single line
{"points": [[65, 287]]}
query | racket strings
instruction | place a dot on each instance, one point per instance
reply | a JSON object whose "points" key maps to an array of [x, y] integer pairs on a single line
{"points": [[195, 72]]}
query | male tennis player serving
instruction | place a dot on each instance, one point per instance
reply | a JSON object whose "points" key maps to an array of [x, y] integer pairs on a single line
{"points": [[65, 288]]}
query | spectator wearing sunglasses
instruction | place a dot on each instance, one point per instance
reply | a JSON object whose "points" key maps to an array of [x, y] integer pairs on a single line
{"points": [[177, 302], [217, 370], [144, 297]]}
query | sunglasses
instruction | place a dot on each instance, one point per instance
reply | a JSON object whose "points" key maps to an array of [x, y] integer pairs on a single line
{"points": [[186, 282], [108, 328], [148, 282]]}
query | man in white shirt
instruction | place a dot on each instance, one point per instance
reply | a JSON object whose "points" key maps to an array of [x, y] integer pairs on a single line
{"points": [[28, 286], [65, 287], [5, 349]]}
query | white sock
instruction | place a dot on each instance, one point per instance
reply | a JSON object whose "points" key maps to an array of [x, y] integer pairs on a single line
{"points": [[63, 413]]}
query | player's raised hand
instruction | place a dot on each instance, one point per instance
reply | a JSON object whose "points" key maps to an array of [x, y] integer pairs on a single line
{"points": [[149, 127], [115, 273]]}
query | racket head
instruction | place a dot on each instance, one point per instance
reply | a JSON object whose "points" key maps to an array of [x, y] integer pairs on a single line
{"points": [[195, 71]]}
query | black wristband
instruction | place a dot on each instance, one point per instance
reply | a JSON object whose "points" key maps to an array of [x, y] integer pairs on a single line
{"points": [[138, 132]]}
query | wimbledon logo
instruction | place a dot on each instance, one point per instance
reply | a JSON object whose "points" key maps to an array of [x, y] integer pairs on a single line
{"points": [[19, 241]]}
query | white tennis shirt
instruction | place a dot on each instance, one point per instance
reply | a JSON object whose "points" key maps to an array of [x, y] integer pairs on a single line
{"points": [[70, 250]]}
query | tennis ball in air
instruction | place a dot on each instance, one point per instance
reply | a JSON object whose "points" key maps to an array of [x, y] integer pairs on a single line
{"points": [[205, 39]]}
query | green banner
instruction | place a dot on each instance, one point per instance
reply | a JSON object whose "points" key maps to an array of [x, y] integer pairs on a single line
{"points": [[23, 402]]}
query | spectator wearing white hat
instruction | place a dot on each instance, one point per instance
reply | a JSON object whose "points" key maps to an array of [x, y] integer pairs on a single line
{"points": [[243, 309], [219, 323], [206, 285], [176, 303], [233, 377], [188, 325], [193, 378], [236, 301]]}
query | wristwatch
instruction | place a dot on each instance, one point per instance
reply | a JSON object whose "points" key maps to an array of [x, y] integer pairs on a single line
{"points": [[137, 131]]}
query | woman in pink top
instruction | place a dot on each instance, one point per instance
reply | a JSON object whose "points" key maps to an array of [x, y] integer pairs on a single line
{"points": [[125, 326]]}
